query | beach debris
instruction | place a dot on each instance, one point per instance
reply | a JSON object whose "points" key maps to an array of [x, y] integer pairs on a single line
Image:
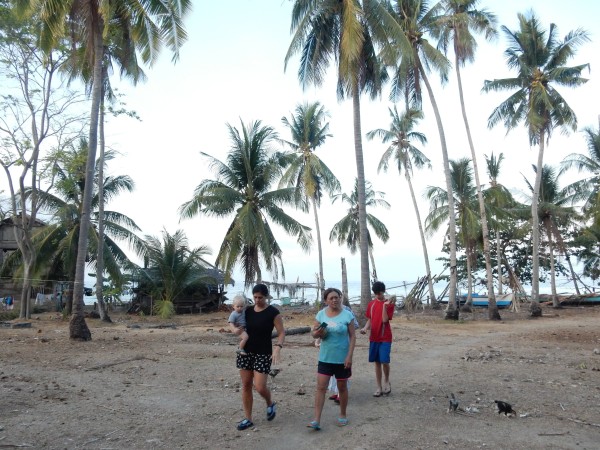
{"points": [[117, 362], [292, 331], [597, 351]]}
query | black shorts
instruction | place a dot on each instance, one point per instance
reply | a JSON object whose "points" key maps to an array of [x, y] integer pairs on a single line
{"points": [[334, 370], [253, 361]]}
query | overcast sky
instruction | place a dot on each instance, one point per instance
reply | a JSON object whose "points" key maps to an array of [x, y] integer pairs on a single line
{"points": [[232, 68]]}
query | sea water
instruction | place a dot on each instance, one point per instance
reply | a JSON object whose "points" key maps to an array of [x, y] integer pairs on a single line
{"points": [[399, 288]]}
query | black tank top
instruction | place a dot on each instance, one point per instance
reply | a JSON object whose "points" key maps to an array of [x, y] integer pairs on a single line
{"points": [[259, 326]]}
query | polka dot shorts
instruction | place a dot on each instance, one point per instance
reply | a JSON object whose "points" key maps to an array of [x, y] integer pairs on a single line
{"points": [[255, 362]]}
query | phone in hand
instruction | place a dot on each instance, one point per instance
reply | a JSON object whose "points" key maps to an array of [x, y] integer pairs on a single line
{"points": [[323, 325]]}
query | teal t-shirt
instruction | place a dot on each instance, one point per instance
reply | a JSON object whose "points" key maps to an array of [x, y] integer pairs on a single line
{"points": [[335, 345]]}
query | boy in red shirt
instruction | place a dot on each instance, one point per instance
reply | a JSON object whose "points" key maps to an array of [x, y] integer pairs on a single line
{"points": [[379, 313]]}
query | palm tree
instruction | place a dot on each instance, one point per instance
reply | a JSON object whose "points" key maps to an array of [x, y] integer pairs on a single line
{"points": [[172, 268], [347, 230], [333, 30], [243, 189], [588, 188], [119, 50], [57, 242], [469, 221], [554, 215], [306, 170], [461, 16], [410, 54], [148, 23], [587, 242], [400, 135], [539, 58], [500, 199]]}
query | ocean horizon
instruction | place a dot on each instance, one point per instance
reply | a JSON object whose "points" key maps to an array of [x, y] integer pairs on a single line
{"points": [[399, 288]]}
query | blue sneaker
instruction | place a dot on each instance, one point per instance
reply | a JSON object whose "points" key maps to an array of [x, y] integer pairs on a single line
{"points": [[271, 411], [244, 424]]}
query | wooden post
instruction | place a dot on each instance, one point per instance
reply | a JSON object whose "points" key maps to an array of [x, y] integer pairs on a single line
{"points": [[345, 299]]}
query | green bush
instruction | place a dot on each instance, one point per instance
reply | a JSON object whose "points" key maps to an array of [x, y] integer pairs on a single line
{"points": [[8, 315], [164, 309]]}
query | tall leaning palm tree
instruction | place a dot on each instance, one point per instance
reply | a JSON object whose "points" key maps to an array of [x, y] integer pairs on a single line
{"points": [[243, 189], [347, 230], [340, 31], [150, 23], [306, 170], [401, 135], [413, 56], [119, 51], [539, 57], [459, 19]]}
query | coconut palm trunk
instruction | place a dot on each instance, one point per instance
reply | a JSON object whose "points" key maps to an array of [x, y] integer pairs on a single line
{"points": [[345, 283], [372, 259], [468, 306], [432, 299], [78, 328], [100, 251], [573, 275], [452, 309], [365, 291], [320, 250], [493, 313], [499, 261], [535, 309], [555, 303], [563, 248]]}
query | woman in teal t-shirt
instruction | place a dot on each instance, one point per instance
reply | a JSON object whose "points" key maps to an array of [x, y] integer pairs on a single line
{"points": [[334, 325]]}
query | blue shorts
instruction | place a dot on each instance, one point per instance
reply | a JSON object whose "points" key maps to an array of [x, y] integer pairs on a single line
{"points": [[380, 352], [334, 370], [252, 361]]}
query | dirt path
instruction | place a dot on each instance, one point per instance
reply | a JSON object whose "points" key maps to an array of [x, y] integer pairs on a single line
{"points": [[136, 387]]}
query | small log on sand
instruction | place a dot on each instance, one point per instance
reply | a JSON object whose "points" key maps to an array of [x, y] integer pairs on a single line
{"points": [[291, 331]]}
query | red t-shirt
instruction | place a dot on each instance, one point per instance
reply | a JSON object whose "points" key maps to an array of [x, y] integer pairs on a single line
{"points": [[380, 332]]}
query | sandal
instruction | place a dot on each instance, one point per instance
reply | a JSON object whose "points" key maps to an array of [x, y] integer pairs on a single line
{"points": [[244, 424], [377, 393], [271, 411], [342, 421], [314, 425], [387, 391]]}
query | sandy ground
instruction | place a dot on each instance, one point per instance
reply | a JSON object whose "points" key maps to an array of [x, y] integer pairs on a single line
{"points": [[137, 386]]}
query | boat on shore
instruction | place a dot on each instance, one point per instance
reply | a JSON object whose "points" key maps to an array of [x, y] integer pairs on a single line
{"points": [[592, 299], [482, 301]]}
